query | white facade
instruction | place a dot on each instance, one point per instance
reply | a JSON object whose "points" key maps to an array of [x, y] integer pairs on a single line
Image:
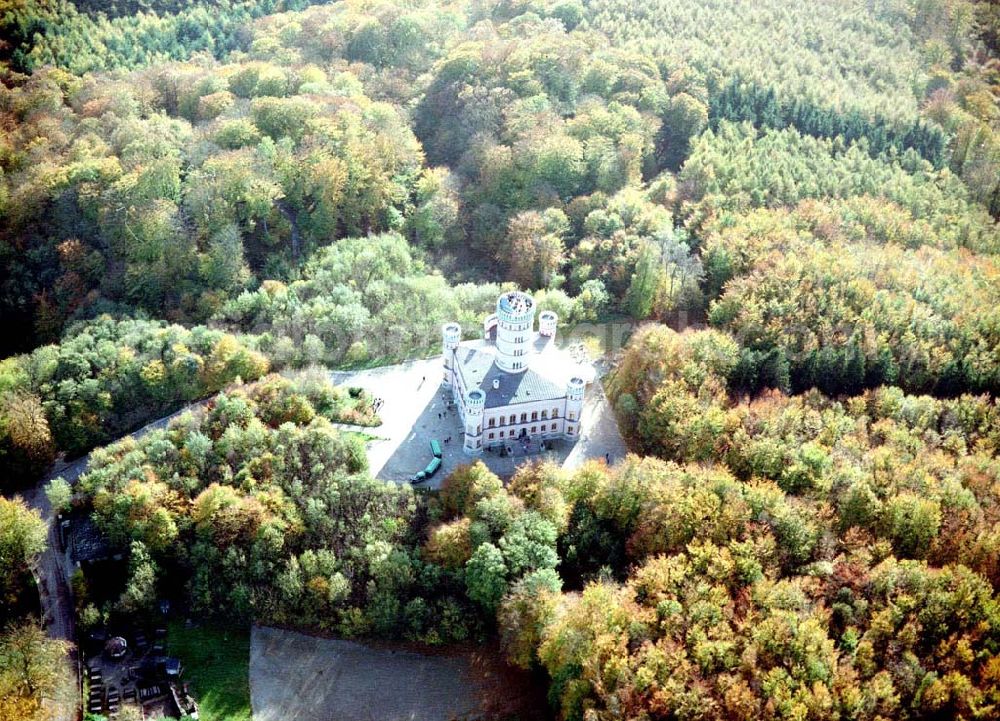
{"points": [[451, 337], [515, 326], [514, 384], [472, 417], [547, 321]]}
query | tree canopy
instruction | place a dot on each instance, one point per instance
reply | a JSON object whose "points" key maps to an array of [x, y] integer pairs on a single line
{"points": [[195, 195]]}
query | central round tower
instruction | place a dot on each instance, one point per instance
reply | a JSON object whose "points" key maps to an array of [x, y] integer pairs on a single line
{"points": [[515, 325]]}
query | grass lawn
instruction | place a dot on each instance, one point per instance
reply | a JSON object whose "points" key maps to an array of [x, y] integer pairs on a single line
{"points": [[216, 665]]}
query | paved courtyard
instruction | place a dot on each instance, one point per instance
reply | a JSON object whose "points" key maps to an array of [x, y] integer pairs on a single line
{"points": [[416, 410], [294, 676]]}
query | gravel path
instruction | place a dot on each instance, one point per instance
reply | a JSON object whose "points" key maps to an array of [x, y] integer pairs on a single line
{"points": [[415, 411], [601, 437], [412, 396], [51, 576]]}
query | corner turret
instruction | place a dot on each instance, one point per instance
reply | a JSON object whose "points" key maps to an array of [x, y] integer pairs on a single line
{"points": [[475, 401], [451, 336]]}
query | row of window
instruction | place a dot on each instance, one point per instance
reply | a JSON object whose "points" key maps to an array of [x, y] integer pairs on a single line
{"points": [[524, 417], [534, 429], [512, 420]]}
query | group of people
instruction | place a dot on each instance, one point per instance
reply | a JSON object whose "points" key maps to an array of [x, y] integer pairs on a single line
{"points": [[448, 406], [377, 404], [506, 450]]}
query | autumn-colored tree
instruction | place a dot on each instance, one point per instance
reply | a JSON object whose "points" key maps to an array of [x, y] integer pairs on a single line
{"points": [[536, 247], [22, 538], [33, 669], [26, 442], [466, 485], [449, 545]]}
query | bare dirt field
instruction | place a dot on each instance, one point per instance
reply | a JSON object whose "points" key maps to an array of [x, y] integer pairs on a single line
{"points": [[294, 676]]}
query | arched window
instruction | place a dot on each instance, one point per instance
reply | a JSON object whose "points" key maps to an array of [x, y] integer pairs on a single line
{"points": [[555, 412]]}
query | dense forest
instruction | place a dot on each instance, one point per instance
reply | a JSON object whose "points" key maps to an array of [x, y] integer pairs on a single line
{"points": [[789, 556], [207, 204]]}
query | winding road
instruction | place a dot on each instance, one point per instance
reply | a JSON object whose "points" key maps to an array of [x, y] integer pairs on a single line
{"points": [[53, 569]]}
